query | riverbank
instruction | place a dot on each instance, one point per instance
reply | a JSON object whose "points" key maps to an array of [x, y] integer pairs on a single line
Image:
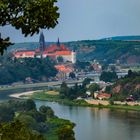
{"points": [[19, 95], [41, 95]]}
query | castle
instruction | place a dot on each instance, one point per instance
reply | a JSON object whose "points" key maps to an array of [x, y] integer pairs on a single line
{"points": [[55, 51]]}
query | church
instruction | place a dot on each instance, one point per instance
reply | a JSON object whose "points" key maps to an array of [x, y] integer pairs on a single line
{"points": [[56, 52]]}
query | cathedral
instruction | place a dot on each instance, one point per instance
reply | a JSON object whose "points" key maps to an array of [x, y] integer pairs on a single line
{"points": [[54, 51]]}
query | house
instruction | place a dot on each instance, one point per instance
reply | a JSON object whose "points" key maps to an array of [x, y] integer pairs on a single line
{"points": [[24, 54], [63, 71], [96, 94], [130, 98], [102, 96]]}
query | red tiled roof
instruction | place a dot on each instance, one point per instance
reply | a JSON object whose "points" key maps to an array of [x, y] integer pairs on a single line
{"points": [[63, 53], [104, 95], [25, 53], [63, 68], [54, 48], [52, 51]]}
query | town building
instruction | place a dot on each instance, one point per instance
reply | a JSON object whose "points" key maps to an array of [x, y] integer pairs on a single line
{"points": [[102, 96], [56, 52], [64, 71]]}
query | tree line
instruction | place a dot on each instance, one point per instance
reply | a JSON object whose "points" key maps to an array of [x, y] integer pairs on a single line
{"points": [[15, 70]]}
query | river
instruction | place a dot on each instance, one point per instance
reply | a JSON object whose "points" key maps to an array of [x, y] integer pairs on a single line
{"points": [[96, 124]]}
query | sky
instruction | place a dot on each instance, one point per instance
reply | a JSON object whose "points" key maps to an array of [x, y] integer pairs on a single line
{"points": [[88, 20]]}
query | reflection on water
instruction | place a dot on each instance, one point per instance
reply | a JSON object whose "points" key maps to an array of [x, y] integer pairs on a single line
{"points": [[99, 124]]}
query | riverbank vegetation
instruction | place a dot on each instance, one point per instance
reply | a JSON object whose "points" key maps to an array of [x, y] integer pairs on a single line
{"points": [[22, 118], [80, 102]]}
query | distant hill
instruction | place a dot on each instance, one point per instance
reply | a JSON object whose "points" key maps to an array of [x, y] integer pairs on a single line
{"points": [[105, 51], [23, 46], [124, 38], [26, 46]]}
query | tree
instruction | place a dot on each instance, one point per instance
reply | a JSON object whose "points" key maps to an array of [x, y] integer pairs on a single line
{"points": [[86, 81], [108, 76], [30, 104], [6, 113], [18, 131], [27, 15], [64, 90], [94, 87], [66, 133], [130, 73], [4, 43], [47, 111], [60, 59], [72, 75]]}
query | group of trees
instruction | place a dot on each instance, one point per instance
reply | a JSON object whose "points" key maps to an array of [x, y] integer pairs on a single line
{"points": [[82, 65], [72, 92], [94, 87], [19, 69], [20, 120], [108, 76], [75, 91]]}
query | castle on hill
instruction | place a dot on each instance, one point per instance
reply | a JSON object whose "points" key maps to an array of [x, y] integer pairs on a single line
{"points": [[54, 51]]}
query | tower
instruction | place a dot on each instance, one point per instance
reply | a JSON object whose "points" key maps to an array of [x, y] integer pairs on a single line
{"points": [[42, 42], [73, 57], [58, 43]]}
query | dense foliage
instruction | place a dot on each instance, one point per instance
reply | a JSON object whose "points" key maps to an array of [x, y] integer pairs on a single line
{"points": [[94, 87], [108, 76], [18, 131], [28, 15], [72, 92], [19, 69], [23, 121]]}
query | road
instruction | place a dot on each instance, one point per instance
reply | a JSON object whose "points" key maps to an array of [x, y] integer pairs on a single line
{"points": [[49, 84]]}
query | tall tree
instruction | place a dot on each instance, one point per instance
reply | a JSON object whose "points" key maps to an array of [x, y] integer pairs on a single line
{"points": [[27, 15]]}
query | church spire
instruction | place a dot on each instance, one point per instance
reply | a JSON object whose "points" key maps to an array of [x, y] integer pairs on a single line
{"points": [[42, 42], [58, 43]]}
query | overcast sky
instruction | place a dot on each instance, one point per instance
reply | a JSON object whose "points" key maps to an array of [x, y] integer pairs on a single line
{"points": [[88, 19]]}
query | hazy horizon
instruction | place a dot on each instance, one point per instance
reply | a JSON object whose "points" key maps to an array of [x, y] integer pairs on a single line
{"points": [[88, 20]]}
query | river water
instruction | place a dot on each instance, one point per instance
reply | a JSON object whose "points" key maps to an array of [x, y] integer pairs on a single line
{"points": [[93, 123]]}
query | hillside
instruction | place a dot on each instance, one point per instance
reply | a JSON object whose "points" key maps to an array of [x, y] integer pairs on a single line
{"points": [[102, 50], [130, 85], [107, 51], [124, 38]]}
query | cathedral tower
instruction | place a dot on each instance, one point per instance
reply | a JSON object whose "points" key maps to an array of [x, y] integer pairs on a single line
{"points": [[42, 42]]}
